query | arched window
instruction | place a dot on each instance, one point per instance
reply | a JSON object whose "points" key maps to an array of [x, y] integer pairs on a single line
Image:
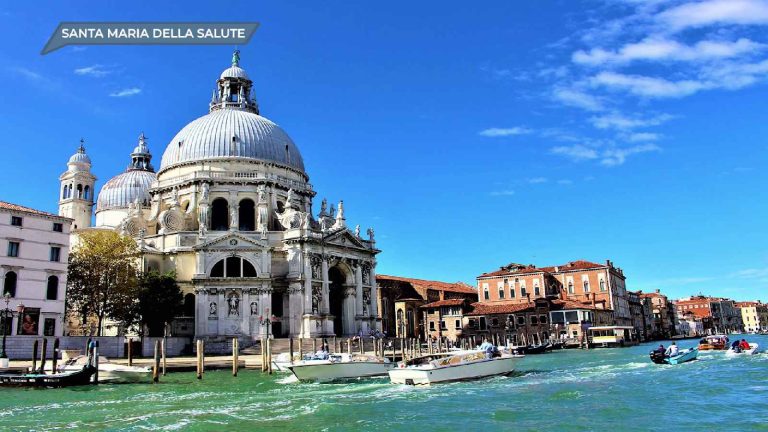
{"points": [[570, 287], [52, 292], [189, 305], [69, 193], [246, 215], [9, 285], [87, 192], [233, 267], [64, 192], [79, 191], [586, 286], [219, 215], [602, 285]]}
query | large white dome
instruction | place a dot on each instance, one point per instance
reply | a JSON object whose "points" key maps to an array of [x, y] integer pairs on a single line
{"points": [[123, 189], [231, 134]]}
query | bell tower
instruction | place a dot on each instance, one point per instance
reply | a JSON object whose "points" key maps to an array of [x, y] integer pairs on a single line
{"points": [[76, 189]]}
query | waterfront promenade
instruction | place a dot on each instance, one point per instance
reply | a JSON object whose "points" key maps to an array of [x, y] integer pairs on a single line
{"points": [[564, 390]]}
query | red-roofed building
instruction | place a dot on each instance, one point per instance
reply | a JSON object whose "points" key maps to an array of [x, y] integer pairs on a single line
{"points": [[718, 315], [580, 280], [400, 300]]}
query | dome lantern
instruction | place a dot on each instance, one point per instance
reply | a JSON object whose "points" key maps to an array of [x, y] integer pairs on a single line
{"points": [[141, 157], [234, 89]]}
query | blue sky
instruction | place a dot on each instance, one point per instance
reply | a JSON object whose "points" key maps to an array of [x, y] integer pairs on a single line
{"points": [[468, 136]]}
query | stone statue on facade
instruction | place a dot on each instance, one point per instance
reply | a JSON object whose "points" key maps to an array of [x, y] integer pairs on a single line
{"points": [[370, 234], [254, 308], [317, 297], [323, 208], [205, 191], [233, 218], [233, 301], [357, 231], [261, 190], [212, 309]]}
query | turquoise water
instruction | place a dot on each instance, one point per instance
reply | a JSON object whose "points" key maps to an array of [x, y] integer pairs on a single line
{"points": [[567, 390]]}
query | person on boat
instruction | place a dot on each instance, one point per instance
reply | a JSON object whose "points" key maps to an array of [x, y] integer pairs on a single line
{"points": [[672, 351], [487, 348], [660, 349], [736, 347], [744, 344]]}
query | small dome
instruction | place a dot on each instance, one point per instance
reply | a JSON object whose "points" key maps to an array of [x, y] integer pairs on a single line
{"points": [[234, 72], [123, 189], [80, 159], [230, 133]]}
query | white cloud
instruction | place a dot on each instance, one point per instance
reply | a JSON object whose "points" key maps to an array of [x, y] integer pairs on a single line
{"points": [[642, 137], [649, 86], [617, 156], [132, 91], [537, 180], [577, 98], [706, 13], [660, 49], [503, 132], [26, 73], [97, 71], [503, 193], [575, 152], [565, 182], [621, 122]]}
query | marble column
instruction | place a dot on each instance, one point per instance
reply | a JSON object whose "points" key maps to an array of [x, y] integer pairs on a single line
{"points": [[324, 305], [374, 309], [358, 290], [307, 284]]}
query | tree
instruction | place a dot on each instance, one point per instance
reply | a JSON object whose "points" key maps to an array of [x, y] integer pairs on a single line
{"points": [[102, 277], [160, 300]]}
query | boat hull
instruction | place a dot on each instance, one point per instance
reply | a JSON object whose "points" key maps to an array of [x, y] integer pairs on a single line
{"points": [[332, 371], [684, 356], [65, 379], [461, 372], [752, 350]]}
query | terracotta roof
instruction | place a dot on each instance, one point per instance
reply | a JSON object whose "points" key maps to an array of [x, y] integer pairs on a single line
{"points": [[499, 308], [15, 207], [459, 287], [573, 265], [748, 304], [449, 302], [571, 304]]}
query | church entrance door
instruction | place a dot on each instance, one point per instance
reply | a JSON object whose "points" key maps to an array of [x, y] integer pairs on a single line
{"points": [[336, 299]]}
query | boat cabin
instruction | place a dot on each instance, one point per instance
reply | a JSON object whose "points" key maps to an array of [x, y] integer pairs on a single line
{"points": [[612, 336], [714, 342]]}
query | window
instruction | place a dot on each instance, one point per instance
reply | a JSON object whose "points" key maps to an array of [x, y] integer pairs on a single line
{"points": [[520, 320], [457, 325], [471, 323], [16, 220], [233, 267], [543, 319], [58, 227], [9, 284], [52, 290], [522, 291], [55, 253], [536, 290], [246, 215], [570, 287], [495, 322], [512, 292], [602, 285], [501, 290], [442, 325], [49, 327], [219, 215], [572, 317], [534, 320], [13, 249], [586, 286], [483, 324], [486, 294], [432, 326]]}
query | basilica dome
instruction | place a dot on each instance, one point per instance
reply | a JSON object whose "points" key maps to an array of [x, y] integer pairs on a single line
{"points": [[133, 184], [233, 129]]}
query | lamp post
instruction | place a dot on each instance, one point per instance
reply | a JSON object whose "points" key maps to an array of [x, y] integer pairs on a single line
{"points": [[6, 313]]}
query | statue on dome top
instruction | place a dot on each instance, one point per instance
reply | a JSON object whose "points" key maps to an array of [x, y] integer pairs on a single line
{"points": [[236, 58]]}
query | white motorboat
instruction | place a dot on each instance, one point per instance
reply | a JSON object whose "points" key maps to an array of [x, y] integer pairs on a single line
{"points": [[110, 372], [752, 350], [283, 361], [340, 367], [446, 367]]}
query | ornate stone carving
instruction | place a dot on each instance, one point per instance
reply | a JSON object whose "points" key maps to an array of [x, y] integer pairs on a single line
{"points": [[350, 292], [172, 220], [254, 308], [366, 274], [212, 309], [357, 231], [316, 264], [317, 298], [233, 304], [370, 234], [205, 191], [366, 300], [233, 225], [294, 261]]}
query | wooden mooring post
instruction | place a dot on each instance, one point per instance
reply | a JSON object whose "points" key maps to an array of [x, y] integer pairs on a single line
{"points": [[156, 363], [43, 354], [130, 352], [163, 354], [34, 356], [199, 359], [55, 359], [301, 349], [269, 355], [235, 353], [290, 349]]}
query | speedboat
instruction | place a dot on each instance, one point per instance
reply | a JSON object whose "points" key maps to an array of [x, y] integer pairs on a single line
{"points": [[109, 372], [446, 367], [733, 352], [714, 342], [340, 367], [683, 356], [80, 376], [283, 360]]}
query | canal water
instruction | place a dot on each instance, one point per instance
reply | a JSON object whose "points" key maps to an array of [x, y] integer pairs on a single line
{"points": [[599, 389]]}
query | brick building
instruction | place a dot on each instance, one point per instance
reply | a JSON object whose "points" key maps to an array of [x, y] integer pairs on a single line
{"points": [[663, 314], [718, 315], [400, 301]]}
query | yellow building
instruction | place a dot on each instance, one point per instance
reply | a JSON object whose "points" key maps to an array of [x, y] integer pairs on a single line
{"points": [[754, 315]]}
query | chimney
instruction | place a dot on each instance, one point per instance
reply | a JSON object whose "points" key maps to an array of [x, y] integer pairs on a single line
{"points": [[557, 269]]}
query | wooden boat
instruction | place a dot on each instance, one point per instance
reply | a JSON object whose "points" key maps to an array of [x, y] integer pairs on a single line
{"points": [[447, 367], [63, 379], [713, 342], [681, 357], [341, 367], [538, 349], [752, 350], [110, 372]]}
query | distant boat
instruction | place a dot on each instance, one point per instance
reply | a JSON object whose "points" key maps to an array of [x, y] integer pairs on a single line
{"points": [[752, 350], [110, 372], [683, 356], [63, 379], [713, 342], [446, 367], [341, 367]]}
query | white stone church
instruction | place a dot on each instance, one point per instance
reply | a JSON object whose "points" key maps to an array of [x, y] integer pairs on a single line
{"points": [[230, 211]]}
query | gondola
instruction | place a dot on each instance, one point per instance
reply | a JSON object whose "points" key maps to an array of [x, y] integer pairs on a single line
{"points": [[64, 379]]}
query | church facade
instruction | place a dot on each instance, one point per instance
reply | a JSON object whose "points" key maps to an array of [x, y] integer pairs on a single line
{"points": [[230, 210]]}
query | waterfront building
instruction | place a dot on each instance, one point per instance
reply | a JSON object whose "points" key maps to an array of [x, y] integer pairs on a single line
{"points": [[230, 210], [718, 315], [33, 268], [663, 314], [689, 324], [445, 318], [579, 281], [401, 299], [754, 316], [641, 321]]}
